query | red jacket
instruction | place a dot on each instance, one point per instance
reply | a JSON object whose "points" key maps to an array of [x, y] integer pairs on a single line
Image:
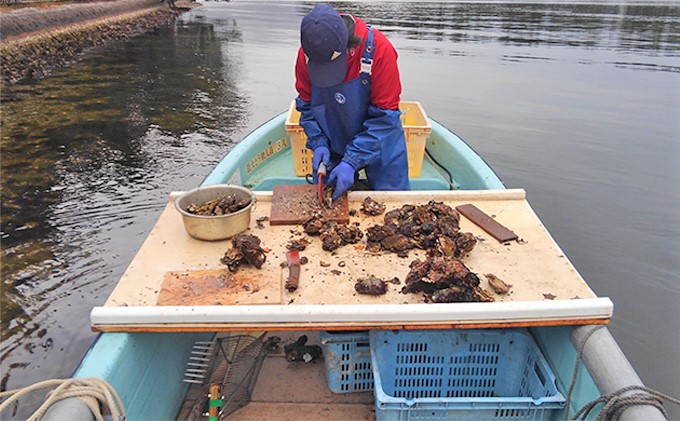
{"points": [[385, 83]]}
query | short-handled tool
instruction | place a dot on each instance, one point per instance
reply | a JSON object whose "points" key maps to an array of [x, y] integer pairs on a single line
{"points": [[293, 281], [320, 173]]}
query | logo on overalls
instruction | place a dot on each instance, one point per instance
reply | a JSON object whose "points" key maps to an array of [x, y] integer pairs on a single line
{"points": [[340, 98]]}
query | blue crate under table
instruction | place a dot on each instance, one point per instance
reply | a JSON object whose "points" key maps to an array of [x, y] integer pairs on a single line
{"points": [[347, 359], [470, 374]]}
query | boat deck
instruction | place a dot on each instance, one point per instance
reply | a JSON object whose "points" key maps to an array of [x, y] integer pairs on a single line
{"points": [[274, 397]]}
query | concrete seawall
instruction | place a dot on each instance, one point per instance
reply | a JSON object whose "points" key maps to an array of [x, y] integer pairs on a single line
{"points": [[35, 40]]}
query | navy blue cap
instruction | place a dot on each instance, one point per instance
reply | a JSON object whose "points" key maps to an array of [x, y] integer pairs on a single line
{"points": [[323, 36]]}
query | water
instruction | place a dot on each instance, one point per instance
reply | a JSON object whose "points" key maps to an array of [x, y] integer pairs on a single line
{"points": [[578, 103]]}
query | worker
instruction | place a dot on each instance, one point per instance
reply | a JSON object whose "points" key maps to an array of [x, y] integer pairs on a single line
{"points": [[348, 87]]}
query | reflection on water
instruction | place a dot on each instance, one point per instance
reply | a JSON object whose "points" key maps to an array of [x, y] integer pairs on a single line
{"points": [[635, 29], [88, 158], [580, 96]]}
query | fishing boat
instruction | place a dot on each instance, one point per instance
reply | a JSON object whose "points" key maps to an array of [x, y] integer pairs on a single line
{"points": [[143, 350]]}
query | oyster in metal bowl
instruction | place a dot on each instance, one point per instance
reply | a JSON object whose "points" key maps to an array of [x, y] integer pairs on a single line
{"points": [[216, 212]]}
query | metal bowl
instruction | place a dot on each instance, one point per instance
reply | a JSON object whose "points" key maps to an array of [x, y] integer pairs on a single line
{"points": [[219, 227]]}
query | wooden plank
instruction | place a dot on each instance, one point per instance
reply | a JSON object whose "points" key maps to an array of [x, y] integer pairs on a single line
{"points": [[219, 287], [292, 205], [487, 223]]}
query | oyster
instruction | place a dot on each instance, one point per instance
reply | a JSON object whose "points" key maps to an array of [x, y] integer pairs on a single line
{"points": [[245, 249], [223, 205], [371, 286], [444, 279], [435, 225], [372, 207]]}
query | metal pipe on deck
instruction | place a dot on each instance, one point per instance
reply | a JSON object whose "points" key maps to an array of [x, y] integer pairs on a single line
{"points": [[69, 409], [611, 370]]}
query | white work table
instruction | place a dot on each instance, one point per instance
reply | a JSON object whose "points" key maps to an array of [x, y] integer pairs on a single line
{"points": [[546, 288]]}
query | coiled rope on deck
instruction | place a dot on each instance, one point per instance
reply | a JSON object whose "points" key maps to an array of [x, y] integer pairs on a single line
{"points": [[96, 393], [615, 403]]}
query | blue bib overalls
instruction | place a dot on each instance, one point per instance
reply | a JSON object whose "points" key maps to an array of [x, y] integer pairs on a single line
{"points": [[366, 136]]}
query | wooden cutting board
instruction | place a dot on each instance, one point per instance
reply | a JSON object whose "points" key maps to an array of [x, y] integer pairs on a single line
{"points": [[220, 287], [292, 205]]}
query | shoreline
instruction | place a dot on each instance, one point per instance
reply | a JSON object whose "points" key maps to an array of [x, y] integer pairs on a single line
{"points": [[37, 40]]}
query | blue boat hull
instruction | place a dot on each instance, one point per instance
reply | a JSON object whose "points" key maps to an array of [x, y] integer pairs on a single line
{"points": [[146, 367]]}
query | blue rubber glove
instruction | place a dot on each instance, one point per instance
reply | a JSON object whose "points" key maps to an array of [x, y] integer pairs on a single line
{"points": [[321, 154], [342, 177]]}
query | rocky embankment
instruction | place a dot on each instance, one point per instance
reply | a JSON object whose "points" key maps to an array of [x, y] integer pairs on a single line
{"points": [[36, 39]]}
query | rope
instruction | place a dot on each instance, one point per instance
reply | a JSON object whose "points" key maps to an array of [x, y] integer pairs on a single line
{"points": [[615, 403], [92, 391], [577, 368]]}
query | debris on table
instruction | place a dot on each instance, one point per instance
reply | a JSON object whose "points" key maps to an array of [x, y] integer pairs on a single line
{"points": [[260, 222], [298, 244], [497, 284]]}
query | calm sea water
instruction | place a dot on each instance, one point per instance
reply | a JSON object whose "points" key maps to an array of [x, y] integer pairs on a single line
{"points": [[578, 103]]}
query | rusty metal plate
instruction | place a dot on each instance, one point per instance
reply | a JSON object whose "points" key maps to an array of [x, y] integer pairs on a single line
{"points": [[487, 223]]}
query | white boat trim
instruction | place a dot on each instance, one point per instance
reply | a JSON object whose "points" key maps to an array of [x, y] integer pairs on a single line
{"points": [[488, 313]]}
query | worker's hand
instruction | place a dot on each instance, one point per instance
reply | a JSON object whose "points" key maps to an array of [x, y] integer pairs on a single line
{"points": [[321, 154], [342, 177]]}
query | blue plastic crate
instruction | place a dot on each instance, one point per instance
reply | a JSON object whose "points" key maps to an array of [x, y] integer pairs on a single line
{"points": [[347, 358], [476, 374]]}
